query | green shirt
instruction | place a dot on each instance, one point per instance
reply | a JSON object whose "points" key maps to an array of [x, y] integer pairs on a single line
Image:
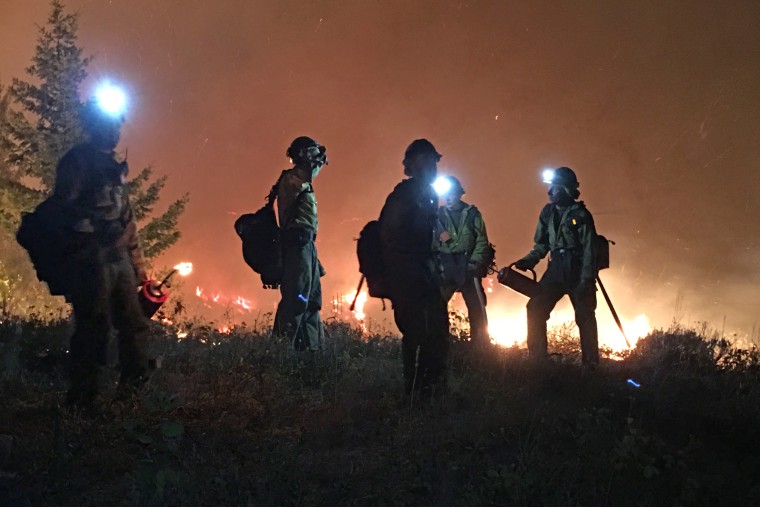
{"points": [[296, 203], [571, 229], [467, 233]]}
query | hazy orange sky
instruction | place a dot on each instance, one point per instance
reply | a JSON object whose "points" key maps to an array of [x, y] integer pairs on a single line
{"points": [[654, 104]]}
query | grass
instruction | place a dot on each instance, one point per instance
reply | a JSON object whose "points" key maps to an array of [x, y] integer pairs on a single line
{"points": [[233, 419]]}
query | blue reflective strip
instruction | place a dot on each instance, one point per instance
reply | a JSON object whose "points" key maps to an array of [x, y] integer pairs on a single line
{"points": [[303, 298], [633, 383]]}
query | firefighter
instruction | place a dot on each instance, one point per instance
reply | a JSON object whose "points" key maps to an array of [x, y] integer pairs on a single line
{"points": [[566, 231], [466, 256], [297, 315], [407, 232], [107, 263]]}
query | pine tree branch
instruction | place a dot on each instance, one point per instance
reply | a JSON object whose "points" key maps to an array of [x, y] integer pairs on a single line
{"points": [[161, 232]]}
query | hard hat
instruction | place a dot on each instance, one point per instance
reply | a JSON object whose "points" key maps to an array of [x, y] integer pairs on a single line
{"points": [[300, 151], [566, 177], [94, 118], [420, 147]]}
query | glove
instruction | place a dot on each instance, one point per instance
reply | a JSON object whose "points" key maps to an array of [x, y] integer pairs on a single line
{"points": [[525, 264]]}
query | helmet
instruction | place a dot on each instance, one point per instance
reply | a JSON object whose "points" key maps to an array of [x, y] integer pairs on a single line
{"points": [[94, 118], [417, 148], [304, 149], [565, 177], [420, 147]]}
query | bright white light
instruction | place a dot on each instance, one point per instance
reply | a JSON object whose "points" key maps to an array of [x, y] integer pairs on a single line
{"points": [[548, 175], [111, 99], [184, 268], [442, 185]]}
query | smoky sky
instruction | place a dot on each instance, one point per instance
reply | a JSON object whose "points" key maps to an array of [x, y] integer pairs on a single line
{"points": [[654, 104]]}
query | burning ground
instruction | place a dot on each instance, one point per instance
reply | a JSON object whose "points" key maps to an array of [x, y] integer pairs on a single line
{"points": [[231, 419]]}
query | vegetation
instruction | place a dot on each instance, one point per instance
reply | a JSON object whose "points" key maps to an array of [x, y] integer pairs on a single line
{"points": [[233, 419], [40, 121]]}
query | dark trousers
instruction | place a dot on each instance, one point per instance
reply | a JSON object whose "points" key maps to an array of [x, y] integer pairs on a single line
{"points": [[105, 297], [297, 314], [421, 315], [475, 300], [540, 308]]}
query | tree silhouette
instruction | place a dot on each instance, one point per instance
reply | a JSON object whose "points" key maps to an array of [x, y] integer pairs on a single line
{"points": [[45, 123]]}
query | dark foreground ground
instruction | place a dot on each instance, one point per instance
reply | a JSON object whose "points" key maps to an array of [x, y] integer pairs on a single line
{"points": [[232, 420]]}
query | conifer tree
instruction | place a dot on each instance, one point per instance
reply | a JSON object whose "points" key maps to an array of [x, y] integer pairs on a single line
{"points": [[45, 123]]}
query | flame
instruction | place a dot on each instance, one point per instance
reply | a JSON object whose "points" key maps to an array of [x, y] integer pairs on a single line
{"points": [[243, 303], [181, 334], [359, 307], [220, 298], [225, 329], [508, 329], [358, 312], [184, 268]]}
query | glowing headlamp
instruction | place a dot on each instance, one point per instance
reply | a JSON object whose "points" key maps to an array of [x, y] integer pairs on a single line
{"points": [[442, 185], [111, 99], [548, 176]]}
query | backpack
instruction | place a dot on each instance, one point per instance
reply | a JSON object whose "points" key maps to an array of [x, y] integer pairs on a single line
{"points": [[49, 245], [371, 266], [603, 252], [261, 237]]}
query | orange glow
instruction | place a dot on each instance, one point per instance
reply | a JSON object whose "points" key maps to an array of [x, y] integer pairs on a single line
{"points": [[358, 312], [508, 329], [243, 303], [225, 329]]}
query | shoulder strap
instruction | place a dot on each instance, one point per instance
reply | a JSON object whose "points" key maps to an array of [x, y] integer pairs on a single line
{"points": [[272, 196], [578, 207], [472, 213], [275, 190]]}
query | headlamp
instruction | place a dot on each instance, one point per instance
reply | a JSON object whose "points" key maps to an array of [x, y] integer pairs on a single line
{"points": [[441, 185], [548, 176], [111, 99]]}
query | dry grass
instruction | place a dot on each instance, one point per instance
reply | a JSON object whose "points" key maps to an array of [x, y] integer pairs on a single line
{"points": [[238, 421]]}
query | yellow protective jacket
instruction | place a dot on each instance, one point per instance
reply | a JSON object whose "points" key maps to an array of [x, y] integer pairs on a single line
{"points": [[468, 236]]}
